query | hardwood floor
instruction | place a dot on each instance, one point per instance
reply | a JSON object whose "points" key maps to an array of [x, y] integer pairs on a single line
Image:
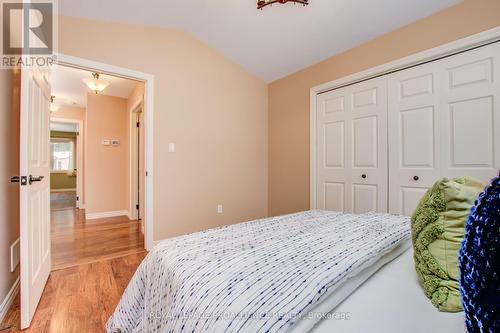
{"points": [[77, 241], [62, 200], [79, 299], [92, 263]]}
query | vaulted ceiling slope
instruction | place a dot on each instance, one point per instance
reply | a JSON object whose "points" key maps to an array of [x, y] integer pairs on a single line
{"points": [[271, 43]]}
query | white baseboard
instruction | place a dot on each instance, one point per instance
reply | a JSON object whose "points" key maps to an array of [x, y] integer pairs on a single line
{"points": [[102, 215], [52, 190], [9, 299]]}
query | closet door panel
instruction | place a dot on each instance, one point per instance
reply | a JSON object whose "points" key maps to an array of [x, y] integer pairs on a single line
{"points": [[364, 198], [471, 113], [333, 166], [351, 151], [414, 142], [369, 146]]}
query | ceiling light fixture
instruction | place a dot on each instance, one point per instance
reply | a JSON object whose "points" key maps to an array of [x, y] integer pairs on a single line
{"points": [[95, 84], [263, 3]]}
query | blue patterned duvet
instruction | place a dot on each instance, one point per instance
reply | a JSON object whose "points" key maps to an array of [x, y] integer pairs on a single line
{"points": [[259, 276]]}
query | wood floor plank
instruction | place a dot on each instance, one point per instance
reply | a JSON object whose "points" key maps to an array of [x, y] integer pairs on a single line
{"points": [[77, 241], [79, 299], [92, 264]]}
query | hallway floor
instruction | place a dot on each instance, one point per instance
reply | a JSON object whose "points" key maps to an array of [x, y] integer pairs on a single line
{"points": [[77, 241]]}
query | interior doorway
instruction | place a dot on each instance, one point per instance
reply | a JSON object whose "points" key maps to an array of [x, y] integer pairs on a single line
{"points": [[66, 163], [95, 141], [47, 230]]}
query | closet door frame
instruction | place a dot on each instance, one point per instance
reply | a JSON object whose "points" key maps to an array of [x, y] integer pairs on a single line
{"points": [[458, 46]]}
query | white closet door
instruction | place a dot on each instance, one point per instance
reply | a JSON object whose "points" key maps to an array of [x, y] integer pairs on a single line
{"points": [[414, 140], [470, 113], [352, 148], [444, 121]]}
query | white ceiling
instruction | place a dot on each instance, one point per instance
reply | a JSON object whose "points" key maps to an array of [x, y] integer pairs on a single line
{"points": [[69, 89], [271, 43], [63, 127]]}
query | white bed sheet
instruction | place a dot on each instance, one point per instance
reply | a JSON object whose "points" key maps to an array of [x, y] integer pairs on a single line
{"points": [[390, 301]]}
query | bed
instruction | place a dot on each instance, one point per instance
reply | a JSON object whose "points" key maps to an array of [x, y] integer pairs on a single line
{"points": [[280, 274], [391, 301]]}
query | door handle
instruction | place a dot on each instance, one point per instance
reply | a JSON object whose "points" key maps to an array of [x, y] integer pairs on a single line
{"points": [[32, 179]]}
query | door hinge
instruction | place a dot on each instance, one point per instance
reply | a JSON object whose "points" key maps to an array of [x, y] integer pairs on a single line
{"points": [[137, 206], [77, 198], [138, 124]]}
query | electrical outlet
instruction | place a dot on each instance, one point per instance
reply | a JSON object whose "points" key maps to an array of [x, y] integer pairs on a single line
{"points": [[219, 209]]}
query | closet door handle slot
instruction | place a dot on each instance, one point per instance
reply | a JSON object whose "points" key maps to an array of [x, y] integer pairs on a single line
{"points": [[416, 178], [363, 176]]}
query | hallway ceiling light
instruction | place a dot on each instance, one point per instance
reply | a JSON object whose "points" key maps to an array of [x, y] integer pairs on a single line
{"points": [[95, 84], [263, 3]]}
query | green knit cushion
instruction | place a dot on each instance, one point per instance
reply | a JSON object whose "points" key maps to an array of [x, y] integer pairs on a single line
{"points": [[437, 232]]}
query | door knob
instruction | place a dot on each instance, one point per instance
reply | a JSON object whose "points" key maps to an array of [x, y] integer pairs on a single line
{"points": [[363, 176], [415, 178], [32, 179]]}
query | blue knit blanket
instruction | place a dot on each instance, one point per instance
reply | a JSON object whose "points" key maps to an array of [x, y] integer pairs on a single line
{"points": [[480, 263]]}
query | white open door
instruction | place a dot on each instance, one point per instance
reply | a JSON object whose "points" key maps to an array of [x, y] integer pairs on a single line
{"points": [[34, 189]]}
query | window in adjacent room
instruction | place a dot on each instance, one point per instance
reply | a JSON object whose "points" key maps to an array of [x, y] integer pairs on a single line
{"points": [[62, 154]]}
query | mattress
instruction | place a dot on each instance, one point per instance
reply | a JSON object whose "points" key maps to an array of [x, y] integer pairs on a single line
{"points": [[343, 291], [390, 301]]}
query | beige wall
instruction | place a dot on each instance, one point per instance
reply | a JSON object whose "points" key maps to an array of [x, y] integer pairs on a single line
{"points": [[289, 97], [106, 176], [214, 110], [9, 166]]}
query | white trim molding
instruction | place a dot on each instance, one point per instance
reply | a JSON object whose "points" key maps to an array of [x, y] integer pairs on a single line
{"points": [[445, 50], [148, 113], [9, 299], [102, 215], [134, 199]]}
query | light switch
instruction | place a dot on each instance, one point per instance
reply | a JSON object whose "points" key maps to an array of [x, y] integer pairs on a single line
{"points": [[219, 209], [171, 147]]}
